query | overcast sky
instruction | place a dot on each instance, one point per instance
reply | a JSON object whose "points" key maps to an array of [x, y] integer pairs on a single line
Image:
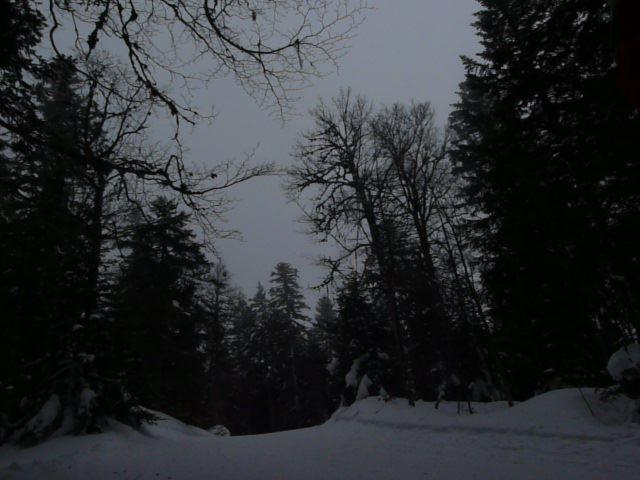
{"points": [[405, 50]]}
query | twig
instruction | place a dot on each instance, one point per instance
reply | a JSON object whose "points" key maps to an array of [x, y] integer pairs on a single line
{"points": [[587, 402]]}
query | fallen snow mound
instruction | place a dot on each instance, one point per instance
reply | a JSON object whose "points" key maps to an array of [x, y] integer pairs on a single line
{"points": [[568, 413], [97, 455]]}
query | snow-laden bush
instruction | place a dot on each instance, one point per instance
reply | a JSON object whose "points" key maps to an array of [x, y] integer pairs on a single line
{"points": [[220, 430], [624, 365], [624, 368], [359, 382]]}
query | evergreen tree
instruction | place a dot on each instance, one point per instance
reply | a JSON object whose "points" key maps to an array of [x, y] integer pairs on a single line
{"points": [[222, 306], [49, 274], [256, 384], [547, 144], [20, 32], [159, 315], [362, 342], [280, 367], [287, 303], [286, 296], [259, 371], [325, 322]]}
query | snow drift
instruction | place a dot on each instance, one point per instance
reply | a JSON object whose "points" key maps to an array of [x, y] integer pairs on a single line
{"points": [[563, 413], [552, 436]]}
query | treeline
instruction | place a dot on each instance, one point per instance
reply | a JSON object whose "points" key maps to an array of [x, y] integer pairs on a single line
{"points": [[490, 259], [102, 280], [109, 299]]}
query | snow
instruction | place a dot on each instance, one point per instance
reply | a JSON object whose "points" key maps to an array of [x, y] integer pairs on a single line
{"points": [[363, 388], [552, 436], [384, 395], [305, 324], [479, 390], [86, 357], [624, 359], [219, 430], [351, 378], [86, 399], [46, 416], [333, 364]]}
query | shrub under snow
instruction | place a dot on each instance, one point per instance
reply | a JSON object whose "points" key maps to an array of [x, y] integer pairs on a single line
{"points": [[624, 368], [625, 363]]}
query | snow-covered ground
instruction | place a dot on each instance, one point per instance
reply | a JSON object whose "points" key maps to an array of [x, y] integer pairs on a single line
{"points": [[553, 436]]}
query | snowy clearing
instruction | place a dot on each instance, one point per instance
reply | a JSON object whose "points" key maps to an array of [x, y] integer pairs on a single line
{"points": [[553, 436]]}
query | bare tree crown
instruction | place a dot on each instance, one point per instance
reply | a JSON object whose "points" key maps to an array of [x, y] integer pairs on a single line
{"points": [[271, 47]]}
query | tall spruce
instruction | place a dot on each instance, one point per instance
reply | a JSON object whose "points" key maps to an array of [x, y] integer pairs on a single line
{"points": [[325, 322], [50, 262], [159, 316], [287, 305], [548, 147], [258, 382], [221, 306]]}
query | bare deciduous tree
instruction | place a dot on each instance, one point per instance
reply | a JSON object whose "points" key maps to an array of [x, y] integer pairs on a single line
{"points": [[271, 47], [415, 153], [337, 160], [381, 182]]}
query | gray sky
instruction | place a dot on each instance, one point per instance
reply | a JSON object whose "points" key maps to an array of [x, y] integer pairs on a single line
{"points": [[405, 50]]}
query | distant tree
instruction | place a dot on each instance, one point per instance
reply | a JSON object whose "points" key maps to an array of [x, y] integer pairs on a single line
{"points": [[262, 368], [279, 363], [287, 305], [285, 294], [325, 321], [222, 305], [259, 381], [325, 312], [260, 302]]}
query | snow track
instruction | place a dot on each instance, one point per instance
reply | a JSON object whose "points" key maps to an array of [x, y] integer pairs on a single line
{"points": [[549, 437], [493, 431]]}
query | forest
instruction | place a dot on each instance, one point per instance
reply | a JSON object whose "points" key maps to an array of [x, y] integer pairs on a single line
{"points": [[492, 258]]}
